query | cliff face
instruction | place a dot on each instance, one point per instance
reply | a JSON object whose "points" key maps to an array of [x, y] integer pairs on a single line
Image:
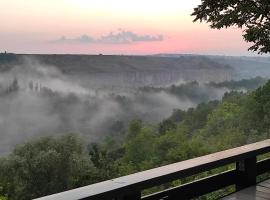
{"points": [[246, 67], [160, 78], [129, 71]]}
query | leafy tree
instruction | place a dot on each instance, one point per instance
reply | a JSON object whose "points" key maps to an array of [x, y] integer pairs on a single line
{"points": [[166, 125], [139, 148], [225, 116], [134, 128], [104, 160], [252, 15], [260, 107], [177, 116], [196, 118], [46, 166], [175, 146]]}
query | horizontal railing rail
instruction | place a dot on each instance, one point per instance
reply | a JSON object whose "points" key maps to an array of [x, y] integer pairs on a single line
{"points": [[130, 187]]}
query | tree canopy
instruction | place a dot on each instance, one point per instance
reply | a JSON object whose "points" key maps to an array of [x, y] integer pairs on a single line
{"points": [[251, 15], [57, 163]]}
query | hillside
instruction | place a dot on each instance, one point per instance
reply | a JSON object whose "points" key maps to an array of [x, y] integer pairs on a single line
{"points": [[113, 70], [244, 67]]}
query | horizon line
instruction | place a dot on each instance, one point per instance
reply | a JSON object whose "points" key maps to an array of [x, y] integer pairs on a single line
{"points": [[156, 54]]}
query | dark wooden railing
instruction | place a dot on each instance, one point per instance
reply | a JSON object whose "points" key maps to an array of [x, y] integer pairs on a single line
{"points": [[130, 187]]}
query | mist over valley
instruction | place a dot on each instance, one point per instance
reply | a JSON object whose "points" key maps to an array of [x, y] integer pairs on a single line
{"points": [[97, 96]]}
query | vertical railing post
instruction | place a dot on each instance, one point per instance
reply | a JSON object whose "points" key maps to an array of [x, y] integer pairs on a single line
{"points": [[246, 173]]}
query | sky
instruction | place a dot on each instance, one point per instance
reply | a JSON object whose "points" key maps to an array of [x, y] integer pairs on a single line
{"points": [[112, 27]]}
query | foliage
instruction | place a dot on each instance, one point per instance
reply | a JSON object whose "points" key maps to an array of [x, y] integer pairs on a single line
{"points": [[252, 15], [244, 84], [53, 164], [103, 158], [166, 125], [46, 166]]}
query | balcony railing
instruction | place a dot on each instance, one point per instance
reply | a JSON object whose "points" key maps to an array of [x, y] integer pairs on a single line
{"points": [[130, 187]]}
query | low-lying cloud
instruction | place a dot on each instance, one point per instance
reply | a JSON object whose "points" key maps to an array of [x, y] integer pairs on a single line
{"points": [[47, 102], [119, 37]]}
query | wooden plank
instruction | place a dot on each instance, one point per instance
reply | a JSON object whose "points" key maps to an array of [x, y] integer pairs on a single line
{"points": [[157, 176], [242, 196], [262, 195], [254, 192], [265, 184], [263, 189], [196, 188]]}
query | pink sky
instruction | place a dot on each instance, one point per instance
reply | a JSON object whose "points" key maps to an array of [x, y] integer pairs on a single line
{"points": [[138, 27]]}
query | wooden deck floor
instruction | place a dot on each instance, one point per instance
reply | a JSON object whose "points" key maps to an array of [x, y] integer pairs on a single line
{"points": [[258, 192]]}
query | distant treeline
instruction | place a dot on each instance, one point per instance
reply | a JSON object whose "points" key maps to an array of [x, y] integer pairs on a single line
{"points": [[203, 92], [246, 84], [7, 57]]}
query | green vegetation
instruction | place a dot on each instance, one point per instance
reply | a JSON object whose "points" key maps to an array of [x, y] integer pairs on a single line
{"points": [[53, 164], [203, 92], [247, 84], [45, 166], [252, 15]]}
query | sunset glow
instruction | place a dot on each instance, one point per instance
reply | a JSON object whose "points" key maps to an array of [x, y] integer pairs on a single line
{"points": [[34, 26]]}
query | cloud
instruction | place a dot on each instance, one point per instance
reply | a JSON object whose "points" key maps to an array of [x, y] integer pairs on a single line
{"points": [[125, 37], [84, 39], [119, 37]]}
